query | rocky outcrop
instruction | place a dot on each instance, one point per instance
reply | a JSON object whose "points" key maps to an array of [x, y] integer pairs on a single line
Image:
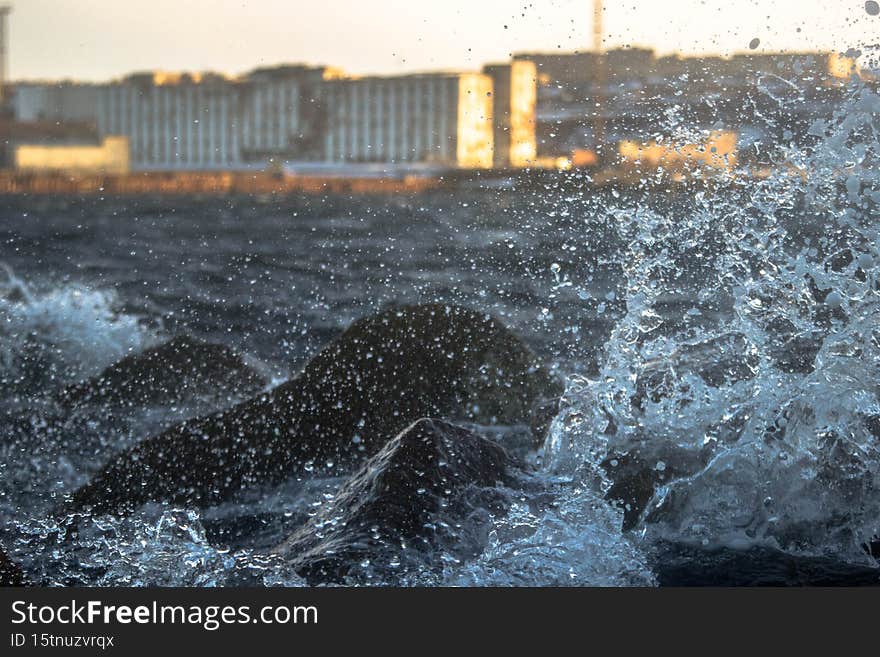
{"points": [[379, 376], [432, 489], [181, 369]]}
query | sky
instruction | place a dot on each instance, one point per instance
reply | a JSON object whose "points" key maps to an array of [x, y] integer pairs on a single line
{"points": [[104, 39]]}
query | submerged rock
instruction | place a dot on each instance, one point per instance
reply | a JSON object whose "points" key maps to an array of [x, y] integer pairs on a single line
{"points": [[432, 489], [635, 478], [180, 369], [10, 572], [379, 376]]}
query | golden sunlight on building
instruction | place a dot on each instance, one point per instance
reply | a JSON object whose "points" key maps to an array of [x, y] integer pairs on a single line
{"points": [[515, 96], [474, 149], [842, 67], [110, 157], [335, 73], [584, 157], [550, 162], [169, 78], [161, 78], [523, 99], [718, 152]]}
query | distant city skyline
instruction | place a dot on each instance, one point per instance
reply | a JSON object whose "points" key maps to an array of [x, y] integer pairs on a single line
{"points": [[105, 39]]}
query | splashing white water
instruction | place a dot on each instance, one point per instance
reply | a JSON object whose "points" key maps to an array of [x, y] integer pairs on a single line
{"points": [[61, 335], [760, 428], [157, 547]]}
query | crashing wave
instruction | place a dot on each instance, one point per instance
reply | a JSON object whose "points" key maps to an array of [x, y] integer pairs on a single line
{"points": [[49, 338], [784, 455]]}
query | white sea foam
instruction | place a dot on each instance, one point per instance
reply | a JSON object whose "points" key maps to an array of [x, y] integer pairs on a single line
{"points": [[61, 334]]}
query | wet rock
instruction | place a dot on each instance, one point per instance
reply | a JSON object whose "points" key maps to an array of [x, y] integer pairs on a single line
{"points": [[431, 489], [636, 475], [10, 572], [379, 376], [175, 371]]}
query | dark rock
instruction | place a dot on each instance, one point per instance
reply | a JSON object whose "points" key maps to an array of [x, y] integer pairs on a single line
{"points": [[636, 476], [378, 377], [429, 490], [10, 572], [181, 369]]}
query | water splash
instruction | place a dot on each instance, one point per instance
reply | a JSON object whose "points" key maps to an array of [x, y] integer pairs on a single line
{"points": [[754, 414], [158, 547], [61, 335], [576, 541]]}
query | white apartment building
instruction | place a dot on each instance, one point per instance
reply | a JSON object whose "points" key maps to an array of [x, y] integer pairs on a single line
{"points": [[298, 114], [443, 119]]}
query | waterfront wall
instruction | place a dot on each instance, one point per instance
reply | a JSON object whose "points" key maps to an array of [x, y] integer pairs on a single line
{"points": [[207, 183]]}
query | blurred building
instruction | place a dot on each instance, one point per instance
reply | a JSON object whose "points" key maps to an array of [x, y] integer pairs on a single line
{"points": [[65, 102], [767, 99], [14, 133], [284, 114], [514, 98], [441, 119], [570, 70], [172, 121], [111, 156]]}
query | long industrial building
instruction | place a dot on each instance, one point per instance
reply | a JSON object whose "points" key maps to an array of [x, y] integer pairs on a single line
{"points": [[298, 114]]}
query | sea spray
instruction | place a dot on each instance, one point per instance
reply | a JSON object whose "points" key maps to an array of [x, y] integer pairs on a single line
{"points": [[785, 455], [61, 334]]}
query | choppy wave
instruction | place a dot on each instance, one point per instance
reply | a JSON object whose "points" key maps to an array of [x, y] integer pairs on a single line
{"points": [[63, 334]]}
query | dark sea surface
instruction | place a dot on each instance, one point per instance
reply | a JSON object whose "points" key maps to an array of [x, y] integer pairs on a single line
{"points": [[277, 277]]}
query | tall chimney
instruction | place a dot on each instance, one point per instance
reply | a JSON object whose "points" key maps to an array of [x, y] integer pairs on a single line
{"points": [[601, 77], [5, 10]]}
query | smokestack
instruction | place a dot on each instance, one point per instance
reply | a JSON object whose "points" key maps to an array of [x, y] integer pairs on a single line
{"points": [[601, 78], [5, 10]]}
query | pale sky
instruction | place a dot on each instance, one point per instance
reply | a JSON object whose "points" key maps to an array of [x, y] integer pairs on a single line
{"points": [[102, 39]]}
